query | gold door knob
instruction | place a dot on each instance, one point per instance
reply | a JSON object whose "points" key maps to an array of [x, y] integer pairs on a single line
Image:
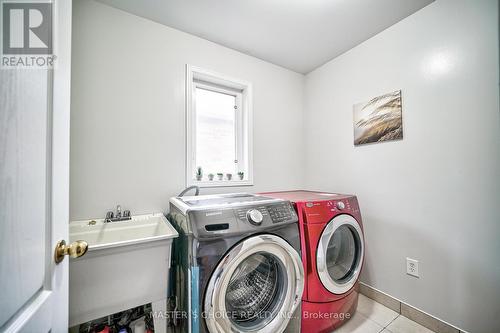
{"points": [[74, 250]]}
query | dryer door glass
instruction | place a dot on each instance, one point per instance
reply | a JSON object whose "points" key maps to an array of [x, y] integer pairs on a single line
{"points": [[256, 287], [340, 254]]}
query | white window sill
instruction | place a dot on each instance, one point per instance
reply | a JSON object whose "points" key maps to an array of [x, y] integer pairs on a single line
{"points": [[221, 183]]}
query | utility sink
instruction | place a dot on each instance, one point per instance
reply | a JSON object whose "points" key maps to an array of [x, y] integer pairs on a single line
{"points": [[140, 229], [127, 265]]}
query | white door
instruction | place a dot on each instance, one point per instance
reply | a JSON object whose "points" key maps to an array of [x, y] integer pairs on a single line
{"points": [[34, 189], [340, 254], [255, 288]]}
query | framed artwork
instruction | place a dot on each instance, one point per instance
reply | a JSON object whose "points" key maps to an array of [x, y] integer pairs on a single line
{"points": [[378, 120]]}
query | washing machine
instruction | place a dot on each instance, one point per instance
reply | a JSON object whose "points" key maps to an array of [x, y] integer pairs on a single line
{"points": [[332, 241], [236, 264]]}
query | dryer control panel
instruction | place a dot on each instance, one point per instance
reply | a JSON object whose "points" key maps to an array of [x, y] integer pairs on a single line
{"points": [[321, 211]]}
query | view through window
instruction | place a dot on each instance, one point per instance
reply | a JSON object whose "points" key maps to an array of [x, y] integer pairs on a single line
{"points": [[216, 132], [219, 130]]}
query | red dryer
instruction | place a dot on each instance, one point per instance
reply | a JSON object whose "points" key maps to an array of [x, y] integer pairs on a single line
{"points": [[332, 246]]}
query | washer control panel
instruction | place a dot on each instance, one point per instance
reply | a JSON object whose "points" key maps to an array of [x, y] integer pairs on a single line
{"points": [[282, 212], [254, 216], [268, 214]]}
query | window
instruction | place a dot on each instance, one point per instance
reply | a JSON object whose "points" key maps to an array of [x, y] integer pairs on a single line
{"points": [[218, 130]]}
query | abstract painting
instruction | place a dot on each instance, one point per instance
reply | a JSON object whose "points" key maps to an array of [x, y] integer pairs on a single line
{"points": [[379, 119]]}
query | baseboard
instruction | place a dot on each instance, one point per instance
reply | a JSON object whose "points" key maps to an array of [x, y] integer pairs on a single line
{"points": [[435, 324]]}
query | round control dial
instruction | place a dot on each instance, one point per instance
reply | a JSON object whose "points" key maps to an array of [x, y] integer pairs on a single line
{"points": [[340, 205], [254, 216]]}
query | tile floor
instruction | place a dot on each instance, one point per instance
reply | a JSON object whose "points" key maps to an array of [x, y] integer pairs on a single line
{"points": [[373, 317]]}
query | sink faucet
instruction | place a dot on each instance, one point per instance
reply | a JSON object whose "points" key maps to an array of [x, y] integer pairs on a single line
{"points": [[118, 211], [112, 217]]}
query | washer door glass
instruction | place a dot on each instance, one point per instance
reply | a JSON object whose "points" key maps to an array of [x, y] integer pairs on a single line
{"points": [[256, 287], [340, 254], [254, 290]]}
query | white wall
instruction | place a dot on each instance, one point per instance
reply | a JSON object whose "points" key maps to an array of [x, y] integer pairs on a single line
{"points": [[127, 116], [435, 195]]}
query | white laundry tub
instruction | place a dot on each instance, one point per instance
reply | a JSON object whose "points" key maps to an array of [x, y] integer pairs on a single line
{"points": [[127, 264]]}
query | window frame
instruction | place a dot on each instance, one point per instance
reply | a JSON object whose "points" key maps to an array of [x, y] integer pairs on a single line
{"points": [[200, 78]]}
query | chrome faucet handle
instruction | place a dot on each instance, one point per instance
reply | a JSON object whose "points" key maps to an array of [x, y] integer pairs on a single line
{"points": [[118, 211], [109, 215], [126, 213]]}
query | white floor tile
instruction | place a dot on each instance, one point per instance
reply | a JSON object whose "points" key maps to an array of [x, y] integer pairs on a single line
{"points": [[404, 325], [359, 324], [375, 311]]}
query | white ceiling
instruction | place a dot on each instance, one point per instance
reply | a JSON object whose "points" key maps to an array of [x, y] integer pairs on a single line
{"points": [[300, 35]]}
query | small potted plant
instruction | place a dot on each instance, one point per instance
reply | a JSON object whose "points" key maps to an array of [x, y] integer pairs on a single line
{"points": [[241, 174], [229, 176], [199, 173], [220, 175], [210, 176]]}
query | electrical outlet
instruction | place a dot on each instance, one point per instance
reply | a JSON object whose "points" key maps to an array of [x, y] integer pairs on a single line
{"points": [[412, 267]]}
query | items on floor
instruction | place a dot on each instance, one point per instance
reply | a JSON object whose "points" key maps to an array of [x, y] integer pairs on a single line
{"points": [[136, 320]]}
